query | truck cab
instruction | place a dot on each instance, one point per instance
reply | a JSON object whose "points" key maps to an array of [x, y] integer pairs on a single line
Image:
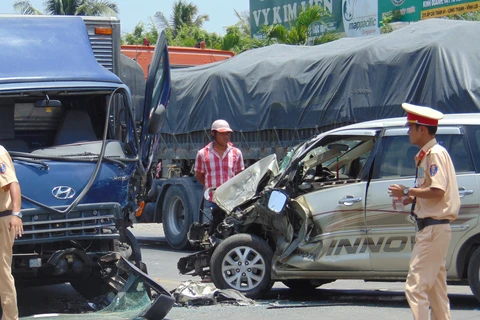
{"points": [[81, 153]]}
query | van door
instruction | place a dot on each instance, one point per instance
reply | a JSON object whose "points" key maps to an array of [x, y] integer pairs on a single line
{"points": [[391, 234], [329, 172], [157, 94]]}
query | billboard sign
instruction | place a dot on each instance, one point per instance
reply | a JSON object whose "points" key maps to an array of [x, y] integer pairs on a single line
{"points": [[355, 17], [285, 12], [414, 10], [360, 17]]}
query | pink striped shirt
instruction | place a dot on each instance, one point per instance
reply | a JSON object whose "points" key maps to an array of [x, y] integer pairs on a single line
{"points": [[218, 170]]}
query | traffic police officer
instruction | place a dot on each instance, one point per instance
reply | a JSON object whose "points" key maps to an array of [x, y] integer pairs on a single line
{"points": [[11, 227], [435, 203]]}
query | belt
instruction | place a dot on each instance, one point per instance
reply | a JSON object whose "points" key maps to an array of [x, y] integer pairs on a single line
{"points": [[5, 213], [425, 222]]}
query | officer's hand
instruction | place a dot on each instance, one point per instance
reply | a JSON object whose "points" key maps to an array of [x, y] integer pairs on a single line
{"points": [[407, 200], [16, 226], [396, 190]]}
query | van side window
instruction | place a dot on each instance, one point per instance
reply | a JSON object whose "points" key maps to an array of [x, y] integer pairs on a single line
{"points": [[397, 157], [457, 147], [473, 134]]}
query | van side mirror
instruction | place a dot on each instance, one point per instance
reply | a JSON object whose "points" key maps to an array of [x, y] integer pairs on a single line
{"points": [[277, 201], [157, 116]]}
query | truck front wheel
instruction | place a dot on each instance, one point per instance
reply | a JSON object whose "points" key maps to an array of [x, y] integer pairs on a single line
{"points": [[176, 217]]}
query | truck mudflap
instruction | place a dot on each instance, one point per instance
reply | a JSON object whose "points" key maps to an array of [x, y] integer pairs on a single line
{"points": [[140, 297]]}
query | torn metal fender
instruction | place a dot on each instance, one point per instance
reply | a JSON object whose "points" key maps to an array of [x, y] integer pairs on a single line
{"points": [[244, 185], [303, 213]]}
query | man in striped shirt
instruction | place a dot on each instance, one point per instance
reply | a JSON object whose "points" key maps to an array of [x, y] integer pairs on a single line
{"points": [[214, 165]]}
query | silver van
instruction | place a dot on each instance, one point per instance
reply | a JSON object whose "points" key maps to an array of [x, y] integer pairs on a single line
{"points": [[324, 212]]}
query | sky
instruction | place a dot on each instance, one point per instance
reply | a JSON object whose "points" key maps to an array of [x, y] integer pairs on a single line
{"points": [[221, 12]]}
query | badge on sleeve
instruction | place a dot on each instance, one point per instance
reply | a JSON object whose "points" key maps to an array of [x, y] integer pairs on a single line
{"points": [[433, 170], [3, 168]]}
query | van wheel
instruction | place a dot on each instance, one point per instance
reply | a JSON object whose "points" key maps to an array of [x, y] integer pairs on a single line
{"points": [[176, 217], [474, 274], [243, 262]]}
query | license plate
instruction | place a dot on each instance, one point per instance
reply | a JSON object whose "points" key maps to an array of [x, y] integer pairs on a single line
{"points": [[35, 263]]}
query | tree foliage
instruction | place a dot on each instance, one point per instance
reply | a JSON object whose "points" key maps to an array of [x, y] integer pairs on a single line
{"points": [[469, 16], [70, 7], [299, 29], [183, 14], [237, 37], [388, 18], [184, 28], [141, 32]]}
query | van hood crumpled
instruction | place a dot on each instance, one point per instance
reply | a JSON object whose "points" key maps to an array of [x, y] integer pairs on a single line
{"points": [[244, 185]]}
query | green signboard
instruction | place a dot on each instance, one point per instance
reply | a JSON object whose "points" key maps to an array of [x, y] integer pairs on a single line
{"points": [[354, 17], [285, 12], [414, 10]]}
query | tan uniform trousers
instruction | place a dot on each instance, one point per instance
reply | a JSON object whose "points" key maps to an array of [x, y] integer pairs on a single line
{"points": [[426, 284], [8, 294]]}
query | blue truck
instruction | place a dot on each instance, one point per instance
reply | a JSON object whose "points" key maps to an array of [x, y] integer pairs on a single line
{"points": [[80, 125]]}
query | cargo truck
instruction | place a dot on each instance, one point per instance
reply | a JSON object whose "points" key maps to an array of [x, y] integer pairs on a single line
{"points": [[278, 96]]}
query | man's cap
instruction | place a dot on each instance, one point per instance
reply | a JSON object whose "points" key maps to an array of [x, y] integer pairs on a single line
{"points": [[221, 126], [422, 115]]}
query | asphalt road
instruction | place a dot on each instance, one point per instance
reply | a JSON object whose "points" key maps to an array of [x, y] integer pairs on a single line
{"points": [[340, 300]]}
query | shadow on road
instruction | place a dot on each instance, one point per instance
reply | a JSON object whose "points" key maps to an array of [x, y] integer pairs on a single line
{"points": [[287, 298]]}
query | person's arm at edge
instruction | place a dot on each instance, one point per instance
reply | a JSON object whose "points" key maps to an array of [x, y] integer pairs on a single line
{"points": [[199, 167], [200, 177], [16, 224], [424, 193], [240, 163]]}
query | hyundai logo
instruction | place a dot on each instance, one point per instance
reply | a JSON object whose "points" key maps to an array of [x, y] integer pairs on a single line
{"points": [[63, 192]]}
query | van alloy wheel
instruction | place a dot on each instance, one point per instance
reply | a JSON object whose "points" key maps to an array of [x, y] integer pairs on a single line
{"points": [[474, 273], [242, 262]]}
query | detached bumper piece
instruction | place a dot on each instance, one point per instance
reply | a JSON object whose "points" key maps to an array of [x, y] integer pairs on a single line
{"points": [[133, 300], [198, 262], [137, 279]]}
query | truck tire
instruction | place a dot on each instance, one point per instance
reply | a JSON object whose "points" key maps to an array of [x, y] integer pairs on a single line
{"points": [[251, 273], [474, 273], [176, 217]]}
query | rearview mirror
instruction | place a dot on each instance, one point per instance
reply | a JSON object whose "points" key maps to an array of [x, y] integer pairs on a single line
{"points": [[47, 103], [277, 201], [157, 116]]}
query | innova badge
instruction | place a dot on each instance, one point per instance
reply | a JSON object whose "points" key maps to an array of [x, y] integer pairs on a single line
{"points": [[63, 192]]}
